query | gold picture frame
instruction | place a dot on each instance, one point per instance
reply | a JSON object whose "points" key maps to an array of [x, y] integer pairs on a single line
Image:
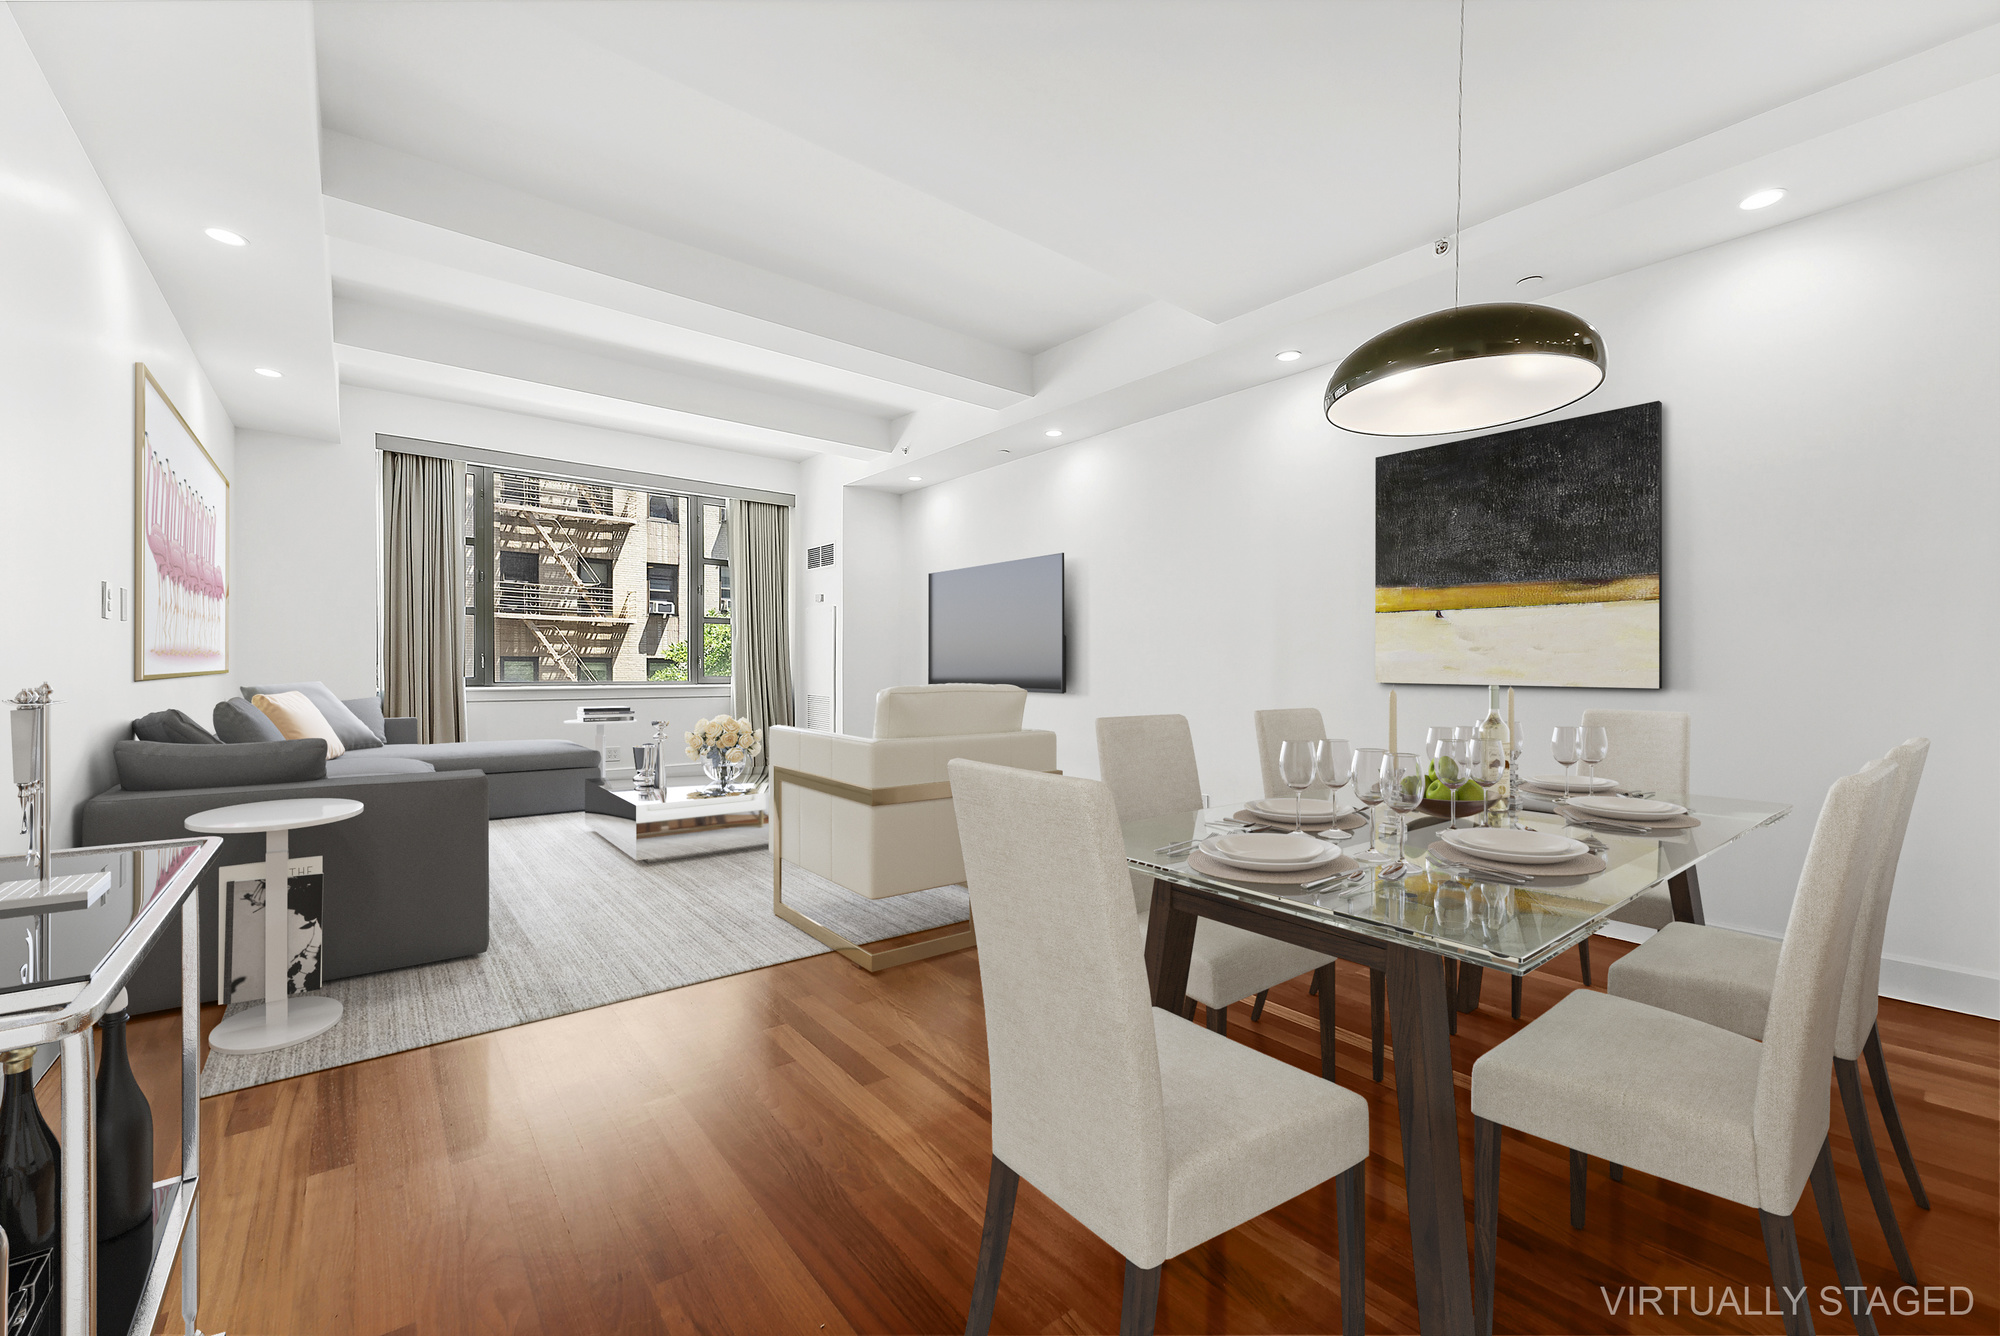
{"points": [[180, 544]]}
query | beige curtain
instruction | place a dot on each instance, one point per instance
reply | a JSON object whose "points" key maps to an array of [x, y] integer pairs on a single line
{"points": [[760, 561], [423, 600]]}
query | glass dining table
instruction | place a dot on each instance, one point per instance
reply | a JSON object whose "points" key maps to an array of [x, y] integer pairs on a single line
{"points": [[1434, 913]]}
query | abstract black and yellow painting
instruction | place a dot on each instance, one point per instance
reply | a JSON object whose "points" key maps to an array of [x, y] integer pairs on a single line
{"points": [[1527, 558]]}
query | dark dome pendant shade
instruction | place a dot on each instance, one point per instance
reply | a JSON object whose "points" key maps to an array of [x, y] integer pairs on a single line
{"points": [[1464, 369]]}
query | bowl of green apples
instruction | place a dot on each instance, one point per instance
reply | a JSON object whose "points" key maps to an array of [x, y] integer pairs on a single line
{"points": [[1439, 791]]}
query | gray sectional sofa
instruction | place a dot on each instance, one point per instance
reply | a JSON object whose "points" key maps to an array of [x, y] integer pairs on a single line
{"points": [[406, 881]]}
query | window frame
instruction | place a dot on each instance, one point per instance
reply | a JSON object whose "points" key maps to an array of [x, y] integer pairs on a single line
{"points": [[690, 593]]}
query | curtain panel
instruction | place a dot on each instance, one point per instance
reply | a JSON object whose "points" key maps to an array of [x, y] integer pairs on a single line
{"points": [[760, 546], [423, 602]]}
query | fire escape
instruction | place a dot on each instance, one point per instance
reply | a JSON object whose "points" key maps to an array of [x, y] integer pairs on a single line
{"points": [[576, 530]]}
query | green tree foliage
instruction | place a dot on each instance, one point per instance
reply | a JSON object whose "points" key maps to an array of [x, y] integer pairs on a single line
{"points": [[715, 656]]}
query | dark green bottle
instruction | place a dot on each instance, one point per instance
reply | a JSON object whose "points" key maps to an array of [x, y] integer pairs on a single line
{"points": [[30, 1201], [124, 1178]]}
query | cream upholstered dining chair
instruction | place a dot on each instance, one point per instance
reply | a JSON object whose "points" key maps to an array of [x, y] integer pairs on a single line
{"points": [[1691, 1102], [1649, 751], [874, 815], [1147, 761], [1275, 727], [1726, 978], [1153, 1133]]}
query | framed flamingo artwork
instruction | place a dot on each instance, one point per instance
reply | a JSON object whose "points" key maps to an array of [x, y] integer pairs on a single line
{"points": [[181, 544]]}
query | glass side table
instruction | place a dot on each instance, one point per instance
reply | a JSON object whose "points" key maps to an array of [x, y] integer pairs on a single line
{"points": [[98, 913]]}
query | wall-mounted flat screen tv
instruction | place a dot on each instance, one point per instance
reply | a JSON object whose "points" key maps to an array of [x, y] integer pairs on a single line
{"points": [[1001, 624]]}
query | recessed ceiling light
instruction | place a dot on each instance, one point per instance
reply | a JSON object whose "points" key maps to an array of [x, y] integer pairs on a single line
{"points": [[226, 237], [1528, 278], [916, 477], [1053, 431], [1290, 355], [266, 371], [1762, 199]]}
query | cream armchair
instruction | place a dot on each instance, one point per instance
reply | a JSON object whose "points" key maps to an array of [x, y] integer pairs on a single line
{"points": [[875, 815]]}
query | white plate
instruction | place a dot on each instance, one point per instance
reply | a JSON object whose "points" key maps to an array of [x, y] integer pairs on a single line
{"points": [[1513, 846], [1614, 805], [1577, 783], [1312, 809], [1228, 849]]}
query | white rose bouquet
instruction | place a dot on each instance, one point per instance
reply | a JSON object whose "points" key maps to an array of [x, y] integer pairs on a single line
{"points": [[723, 745]]}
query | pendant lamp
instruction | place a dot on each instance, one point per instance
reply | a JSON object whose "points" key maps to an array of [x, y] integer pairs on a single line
{"points": [[1467, 367]]}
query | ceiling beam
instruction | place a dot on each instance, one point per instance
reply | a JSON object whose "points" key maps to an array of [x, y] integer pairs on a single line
{"points": [[732, 312], [428, 337]]}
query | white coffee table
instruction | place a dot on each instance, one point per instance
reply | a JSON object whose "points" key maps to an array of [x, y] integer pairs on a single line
{"points": [[279, 1020], [644, 827]]}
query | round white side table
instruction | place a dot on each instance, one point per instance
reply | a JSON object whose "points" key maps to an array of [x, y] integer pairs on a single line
{"points": [[279, 1020]]}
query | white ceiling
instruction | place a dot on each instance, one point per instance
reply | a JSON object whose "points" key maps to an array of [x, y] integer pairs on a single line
{"points": [[860, 226]]}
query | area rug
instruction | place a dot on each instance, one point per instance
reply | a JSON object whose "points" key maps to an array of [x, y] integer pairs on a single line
{"points": [[576, 924]]}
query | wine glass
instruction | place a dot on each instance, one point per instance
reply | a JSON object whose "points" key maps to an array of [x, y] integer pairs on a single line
{"points": [[1371, 787], [1296, 768], [1567, 745], [1404, 772], [1333, 758], [1596, 746], [1473, 761]]}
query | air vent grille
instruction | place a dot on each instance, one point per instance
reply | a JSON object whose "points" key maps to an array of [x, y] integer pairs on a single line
{"points": [[819, 713], [816, 557]]}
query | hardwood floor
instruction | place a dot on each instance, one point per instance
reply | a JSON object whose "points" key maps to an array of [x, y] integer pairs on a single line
{"points": [[804, 1148]]}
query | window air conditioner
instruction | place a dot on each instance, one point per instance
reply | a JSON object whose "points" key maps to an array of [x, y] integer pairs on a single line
{"points": [[660, 607]]}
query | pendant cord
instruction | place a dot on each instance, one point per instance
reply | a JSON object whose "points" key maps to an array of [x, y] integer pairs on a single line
{"points": [[1458, 203]]}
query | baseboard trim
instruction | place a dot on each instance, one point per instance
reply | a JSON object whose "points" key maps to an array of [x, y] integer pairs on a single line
{"points": [[1926, 982]]}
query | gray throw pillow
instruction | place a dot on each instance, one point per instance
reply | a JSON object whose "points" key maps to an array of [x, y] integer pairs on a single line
{"points": [[171, 726], [368, 709], [152, 766], [239, 721], [353, 734]]}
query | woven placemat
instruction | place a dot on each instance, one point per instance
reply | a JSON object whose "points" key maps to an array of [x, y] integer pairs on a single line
{"points": [[1215, 867], [1666, 823], [1346, 820], [1583, 865]]}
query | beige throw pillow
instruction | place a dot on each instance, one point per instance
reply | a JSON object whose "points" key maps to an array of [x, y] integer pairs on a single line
{"points": [[297, 717]]}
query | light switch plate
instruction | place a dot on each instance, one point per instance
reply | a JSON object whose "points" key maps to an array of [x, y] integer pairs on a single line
{"points": [[104, 599], [124, 604]]}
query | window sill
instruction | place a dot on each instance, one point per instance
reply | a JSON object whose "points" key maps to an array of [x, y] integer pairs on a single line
{"points": [[598, 692]]}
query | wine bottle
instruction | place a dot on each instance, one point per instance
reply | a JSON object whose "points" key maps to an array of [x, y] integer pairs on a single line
{"points": [[1494, 747], [124, 1177], [30, 1200]]}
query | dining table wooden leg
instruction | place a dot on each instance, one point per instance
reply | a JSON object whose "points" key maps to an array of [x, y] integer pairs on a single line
{"points": [[1426, 1106], [1684, 889], [1470, 979], [1169, 947]]}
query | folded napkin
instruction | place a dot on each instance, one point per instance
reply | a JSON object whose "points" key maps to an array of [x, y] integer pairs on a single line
{"points": [[1346, 820], [1662, 824], [1215, 867], [1583, 865]]}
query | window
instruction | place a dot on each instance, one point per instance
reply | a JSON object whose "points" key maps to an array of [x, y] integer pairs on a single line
{"points": [[573, 580], [662, 589]]}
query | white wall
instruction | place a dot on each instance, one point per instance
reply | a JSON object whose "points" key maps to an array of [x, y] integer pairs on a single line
{"points": [[79, 309], [307, 541], [1830, 468], [317, 606]]}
